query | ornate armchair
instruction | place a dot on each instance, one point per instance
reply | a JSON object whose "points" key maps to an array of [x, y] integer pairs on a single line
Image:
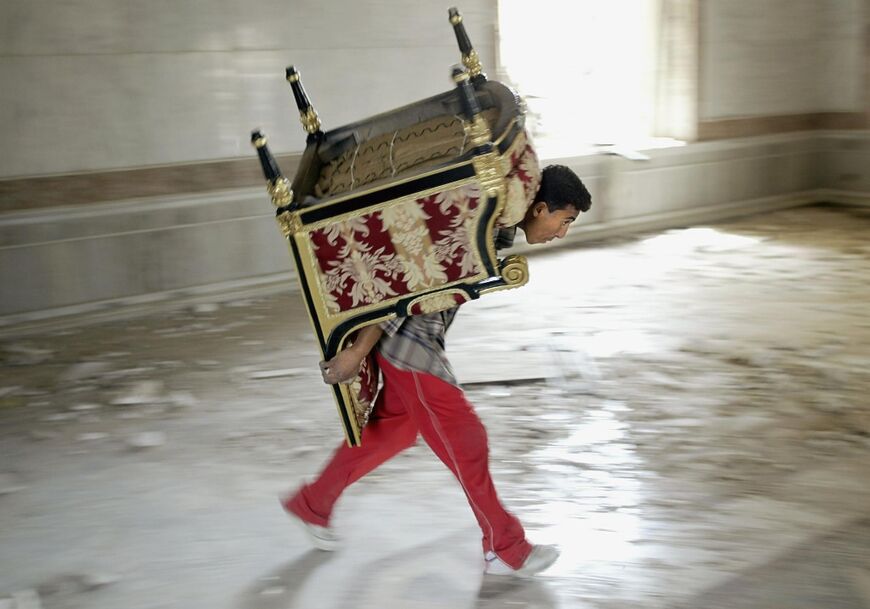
{"points": [[402, 213]]}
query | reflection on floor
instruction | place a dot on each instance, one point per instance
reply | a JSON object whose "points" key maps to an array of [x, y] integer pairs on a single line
{"points": [[685, 413], [832, 570]]}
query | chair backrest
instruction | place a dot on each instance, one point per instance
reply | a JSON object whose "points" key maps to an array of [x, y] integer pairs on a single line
{"points": [[398, 214]]}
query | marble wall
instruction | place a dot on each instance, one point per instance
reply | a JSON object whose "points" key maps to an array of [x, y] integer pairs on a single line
{"points": [[97, 86], [98, 256], [107, 84], [781, 57]]}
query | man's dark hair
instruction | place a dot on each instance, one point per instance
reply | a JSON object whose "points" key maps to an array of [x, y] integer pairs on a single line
{"points": [[561, 188]]}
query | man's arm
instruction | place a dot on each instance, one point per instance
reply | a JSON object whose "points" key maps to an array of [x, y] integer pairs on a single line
{"points": [[346, 365]]}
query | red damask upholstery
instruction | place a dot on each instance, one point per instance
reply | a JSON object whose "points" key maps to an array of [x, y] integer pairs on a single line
{"points": [[398, 215], [523, 178], [417, 245]]}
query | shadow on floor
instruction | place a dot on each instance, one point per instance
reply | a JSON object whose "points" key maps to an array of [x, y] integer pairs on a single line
{"points": [[278, 589], [427, 576]]}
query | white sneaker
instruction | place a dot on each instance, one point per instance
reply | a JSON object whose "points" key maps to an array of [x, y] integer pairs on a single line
{"points": [[540, 558], [322, 538]]}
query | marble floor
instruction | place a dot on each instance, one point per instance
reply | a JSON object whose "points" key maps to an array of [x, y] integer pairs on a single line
{"points": [[685, 413]]}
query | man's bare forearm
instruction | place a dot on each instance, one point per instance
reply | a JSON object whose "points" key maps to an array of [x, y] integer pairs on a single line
{"points": [[366, 339], [346, 364]]}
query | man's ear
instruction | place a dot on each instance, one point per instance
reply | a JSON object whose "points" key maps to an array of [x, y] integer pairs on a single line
{"points": [[539, 208]]}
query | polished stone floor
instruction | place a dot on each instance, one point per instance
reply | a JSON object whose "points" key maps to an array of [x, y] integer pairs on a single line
{"points": [[686, 413]]}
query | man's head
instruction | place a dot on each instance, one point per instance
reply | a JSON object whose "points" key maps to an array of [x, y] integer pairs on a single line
{"points": [[560, 199]]}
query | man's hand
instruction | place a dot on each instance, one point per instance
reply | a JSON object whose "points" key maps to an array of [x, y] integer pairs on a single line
{"points": [[342, 368]]}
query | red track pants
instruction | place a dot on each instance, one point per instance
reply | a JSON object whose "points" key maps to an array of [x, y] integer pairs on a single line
{"points": [[411, 403]]}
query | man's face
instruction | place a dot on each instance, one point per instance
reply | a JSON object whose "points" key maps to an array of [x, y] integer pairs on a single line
{"points": [[541, 225]]}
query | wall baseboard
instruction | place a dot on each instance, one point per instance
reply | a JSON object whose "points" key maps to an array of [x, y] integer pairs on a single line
{"points": [[843, 197], [23, 324], [32, 322], [98, 262]]}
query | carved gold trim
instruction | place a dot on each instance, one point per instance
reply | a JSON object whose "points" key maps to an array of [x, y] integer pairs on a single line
{"points": [[289, 222], [280, 191], [478, 131], [514, 271], [488, 172], [488, 168], [310, 121], [499, 192], [472, 63], [437, 301]]}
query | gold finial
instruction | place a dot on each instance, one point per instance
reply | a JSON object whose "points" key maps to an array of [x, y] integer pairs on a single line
{"points": [[281, 193], [472, 63], [455, 19], [294, 77], [310, 120], [260, 141]]}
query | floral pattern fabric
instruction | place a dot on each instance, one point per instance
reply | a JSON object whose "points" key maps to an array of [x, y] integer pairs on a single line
{"points": [[403, 249], [412, 246], [523, 178]]}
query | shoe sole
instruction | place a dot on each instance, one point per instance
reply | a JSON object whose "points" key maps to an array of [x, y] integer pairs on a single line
{"points": [[325, 545], [529, 573], [543, 567]]}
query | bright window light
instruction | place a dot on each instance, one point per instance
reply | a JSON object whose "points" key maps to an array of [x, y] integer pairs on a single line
{"points": [[586, 69]]}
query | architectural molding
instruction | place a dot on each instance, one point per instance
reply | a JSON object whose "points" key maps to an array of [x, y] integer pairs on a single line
{"points": [[768, 125], [39, 192]]}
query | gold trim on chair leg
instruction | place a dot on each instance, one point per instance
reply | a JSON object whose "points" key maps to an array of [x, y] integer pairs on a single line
{"points": [[514, 272], [280, 191], [437, 301], [488, 169], [310, 121], [472, 63], [289, 222]]}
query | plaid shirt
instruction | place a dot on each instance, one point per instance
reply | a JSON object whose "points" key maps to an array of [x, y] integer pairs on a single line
{"points": [[417, 343]]}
